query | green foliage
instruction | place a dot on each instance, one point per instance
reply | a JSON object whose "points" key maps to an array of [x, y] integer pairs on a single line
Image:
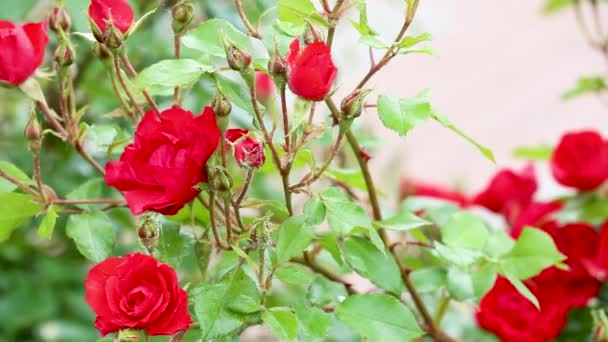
{"points": [[15, 210], [45, 230], [208, 37], [586, 85], [14, 171], [294, 235], [294, 274], [296, 12], [540, 153], [378, 318], [93, 233], [282, 322], [162, 77], [173, 245]]}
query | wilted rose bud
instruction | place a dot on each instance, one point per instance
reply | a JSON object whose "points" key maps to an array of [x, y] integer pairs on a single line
{"points": [[221, 105], [277, 65], [64, 54], [148, 230], [352, 105], [312, 35], [128, 335], [59, 19], [237, 58], [249, 153], [264, 88], [182, 13], [220, 180], [33, 130], [112, 37]]}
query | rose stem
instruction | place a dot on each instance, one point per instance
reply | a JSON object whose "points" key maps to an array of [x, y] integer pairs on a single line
{"points": [[177, 48], [125, 60], [125, 87]]}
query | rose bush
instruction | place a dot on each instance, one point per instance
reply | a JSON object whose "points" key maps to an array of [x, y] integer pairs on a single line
{"points": [[261, 215]]}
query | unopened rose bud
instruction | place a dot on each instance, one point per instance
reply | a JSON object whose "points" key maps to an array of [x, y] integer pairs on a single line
{"points": [[97, 33], [49, 193], [182, 13], [59, 19], [238, 59], [312, 35], [221, 105], [220, 180], [352, 105], [33, 130], [264, 88], [148, 230], [128, 335], [113, 37], [64, 54], [249, 153], [277, 65]]}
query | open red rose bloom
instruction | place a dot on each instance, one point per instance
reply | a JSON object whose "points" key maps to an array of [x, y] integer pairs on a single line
{"points": [[311, 71], [138, 292], [160, 170], [118, 12]]}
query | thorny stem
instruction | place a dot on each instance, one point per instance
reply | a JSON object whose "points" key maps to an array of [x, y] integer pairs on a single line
{"points": [[177, 47], [124, 103], [125, 87], [18, 183], [216, 234], [125, 60], [332, 17], [52, 120], [285, 118], [267, 136], [236, 204], [38, 175], [80, 149], [250, 29], [307, 180], [89, 201], [313, 265]]}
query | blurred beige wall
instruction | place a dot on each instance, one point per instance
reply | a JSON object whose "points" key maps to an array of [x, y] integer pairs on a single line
{"points": [[500, 70]]}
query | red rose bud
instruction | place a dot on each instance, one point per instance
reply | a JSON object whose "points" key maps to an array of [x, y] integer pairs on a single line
{"points": [[264, 87], [64, 54], [21, 50], [581, 160], [249, 153], [221, 105], [33, 130], [277, 65], [220, 179], [148, 230], [312, 35], [182, 13], [237, 58], [137, 292], [352, 105], [311, 72], [117, 12], [161, 175], [59, 19]]}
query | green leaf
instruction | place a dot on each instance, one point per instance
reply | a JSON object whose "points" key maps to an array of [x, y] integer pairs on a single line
{"points": [[312, 322], [236, 91], [12, 170], [314, 211], [458, 256], [524, 290], [533, 252], [586, 85], [351, 177], [98, 138], [470, 284], [408, 42], [373, 41], [363, 26], [552, 6], [297, 12], [465, 230], [294, 274], [540, 153], [207, 38], [429, 279], [498, 243], [15, 210], [92, 188], [447, 124], [93, 234], [378, 318], [164, 76], [282, 322], [222, 308], [323, 291], [369, 262], [31, 88], [404, 220], [401, 115], [45, 230], [173, 245], [294, 235], [342, 214], [277, 208]]}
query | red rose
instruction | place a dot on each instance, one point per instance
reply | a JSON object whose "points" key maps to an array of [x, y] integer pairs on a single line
{"points": [[311, 72], [159, 171], [21, 50], [264, 86], [119, 12], [508, 192], [414, 188], [598, 265], [136, 292], [513, 318], [534, 214], [248, 152], [581, 160]]}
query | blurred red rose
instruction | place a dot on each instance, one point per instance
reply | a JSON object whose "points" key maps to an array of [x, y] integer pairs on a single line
{"points": [[513, 318], [119, 12], [264, 86], [508, 192], [311, 72], [138, 292], [581, 160], [415, 188], [534, 214], [21, 50], [598, 265], [159, 171]]}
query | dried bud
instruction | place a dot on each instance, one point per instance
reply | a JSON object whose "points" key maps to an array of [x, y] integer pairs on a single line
{"points": [[237, 58], [220, 180], [128, 335], [249, 153], [33, 130], [148, 230], [221, 105], [59, 19], [182, 13], [352, 105], [312, 35], [64, 54], [113, 37]]}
